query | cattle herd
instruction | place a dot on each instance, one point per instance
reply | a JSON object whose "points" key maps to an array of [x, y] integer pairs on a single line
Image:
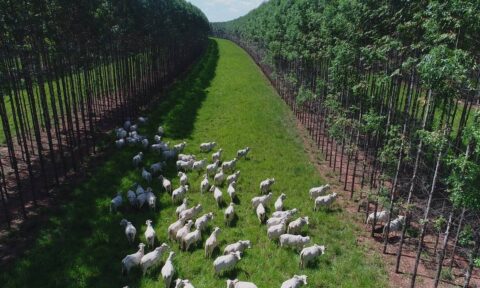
{"points": [[187, 230]]}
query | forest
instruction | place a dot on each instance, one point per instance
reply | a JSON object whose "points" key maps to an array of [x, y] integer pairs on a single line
{"points": [[70, 68], [390, 93], [359, 117]]}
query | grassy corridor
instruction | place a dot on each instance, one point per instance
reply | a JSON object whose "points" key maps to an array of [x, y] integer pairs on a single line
{"points": [[225, 98]]}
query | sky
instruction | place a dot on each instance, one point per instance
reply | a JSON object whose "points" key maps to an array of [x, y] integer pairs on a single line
{"points": [[224, 10]]}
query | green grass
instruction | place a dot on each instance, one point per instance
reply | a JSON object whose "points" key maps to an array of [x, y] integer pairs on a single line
{"points": [[225, 98]]}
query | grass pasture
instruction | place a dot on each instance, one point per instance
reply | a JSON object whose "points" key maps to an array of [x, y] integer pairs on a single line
{"points": [[225, 98]]}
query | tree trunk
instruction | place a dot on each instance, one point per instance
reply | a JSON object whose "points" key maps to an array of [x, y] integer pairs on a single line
{"points": [[457, 236], [412, 187], [441, 254], [427, 211], [471, 262]]}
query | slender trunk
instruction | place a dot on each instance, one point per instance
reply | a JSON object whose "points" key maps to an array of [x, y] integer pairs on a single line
{"points": [[354, 173], [412, 187], [399, 165], [11, 151], [441, 253], [427, 212], [457, 236], [3, 193], [437, 239], [374, 222], [393, 191], [471, 262], [46, 117]]}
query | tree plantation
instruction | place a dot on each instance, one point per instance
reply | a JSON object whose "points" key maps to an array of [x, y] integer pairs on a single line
{"points": [[68, 68], [390, 93], [307, 143]]}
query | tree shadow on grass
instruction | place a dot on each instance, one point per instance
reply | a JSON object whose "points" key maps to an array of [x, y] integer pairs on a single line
{"points": [[231, 274], [184, 101], [234, 221], [82, 244]]}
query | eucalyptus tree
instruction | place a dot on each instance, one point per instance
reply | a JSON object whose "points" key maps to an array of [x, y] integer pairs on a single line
{"points": [[68, 66], [443, 70], [372, 126], [463, 182], [407, 67], [392, 156], [413, 180]]}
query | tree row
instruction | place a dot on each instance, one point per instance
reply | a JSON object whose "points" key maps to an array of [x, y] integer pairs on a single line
{"points": [[389, 91], [69, 69]]}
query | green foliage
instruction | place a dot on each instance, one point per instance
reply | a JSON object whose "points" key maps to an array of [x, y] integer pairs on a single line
{"points": [[321, 84], [471, 135], [466, 236], [364, 47], [337, 126], [223, 98], [434, 139], [464, 178], [332, 104], [291, 79], [384, 197], [365, 50], [304, 95], [446, 70], [408, 207], [463, 182], [412, 232], [439, 222], [395, 145], [447, 274], [372, 122], [359, 87], [449, 22], [371, 195], [342, 65]]}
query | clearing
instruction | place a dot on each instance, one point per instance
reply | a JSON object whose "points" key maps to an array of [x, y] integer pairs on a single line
{"points": [[225, 98]]}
